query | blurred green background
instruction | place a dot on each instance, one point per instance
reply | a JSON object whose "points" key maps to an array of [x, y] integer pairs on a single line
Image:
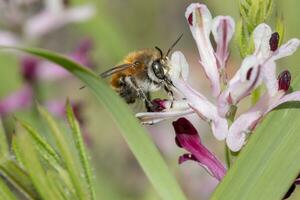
{"points": [[122, 26]]}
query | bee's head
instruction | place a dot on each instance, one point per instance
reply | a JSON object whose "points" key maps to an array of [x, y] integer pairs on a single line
{"points": [[158, 69]]}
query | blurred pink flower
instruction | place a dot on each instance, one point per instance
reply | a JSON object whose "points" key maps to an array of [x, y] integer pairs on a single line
{"points": [[33, 69], [55, 16], [187, 137], [18, 100]]}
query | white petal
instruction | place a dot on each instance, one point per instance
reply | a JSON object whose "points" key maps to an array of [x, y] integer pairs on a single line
{"points": [[295, 96], [286, 49], [201, 17], [245, 79], [269, 77], [200, 22], [155, 117], [205, 109], [223, 29], [240, 128], [179, 66], [262, 34]]}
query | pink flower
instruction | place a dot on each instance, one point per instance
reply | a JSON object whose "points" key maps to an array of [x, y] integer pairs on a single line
{"points": [[187, 137], [255, 70], [201, 24], [34, 69], [246, 122], [18, 100], [54, 16]]}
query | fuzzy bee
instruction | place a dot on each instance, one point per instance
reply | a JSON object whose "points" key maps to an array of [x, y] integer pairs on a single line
{"points": [[140, 73]]}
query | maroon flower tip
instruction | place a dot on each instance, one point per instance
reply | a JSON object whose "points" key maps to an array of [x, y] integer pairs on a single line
{"points": [[184, 126], [29, 68], [274, 41], [190, 19], [186, 157], [158, 104], [249, 72], [284, 80]]}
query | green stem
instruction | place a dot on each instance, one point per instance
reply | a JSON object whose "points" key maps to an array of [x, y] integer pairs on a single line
{"points": [[228, 153], [255, 95], [227, 156]]}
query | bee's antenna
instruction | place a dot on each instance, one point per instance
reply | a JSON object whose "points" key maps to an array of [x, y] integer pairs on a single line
{"points": [[160, 51], [174, 44]]}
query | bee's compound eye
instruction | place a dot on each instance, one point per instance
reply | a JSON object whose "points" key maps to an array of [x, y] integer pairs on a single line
{"points": [[158, 69]]}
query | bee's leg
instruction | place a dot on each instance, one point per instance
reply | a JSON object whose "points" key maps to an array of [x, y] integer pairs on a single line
{"points": [[149, 106], [170, 94], [142, 94]]}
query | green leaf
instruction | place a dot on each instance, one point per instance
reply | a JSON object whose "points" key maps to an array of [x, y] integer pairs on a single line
{"points": [[136, 137], [77, 136], [17, 177], [67, 156], [268, 165], [5, 192], [30, 159], [46, 149], [3, 142]]}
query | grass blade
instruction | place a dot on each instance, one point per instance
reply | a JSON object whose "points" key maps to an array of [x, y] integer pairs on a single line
{"points": [[16, 175], [30, 159], [66, 155], [136, 137], [44, 147], [77, 136], [5, 192], [3, 142]]}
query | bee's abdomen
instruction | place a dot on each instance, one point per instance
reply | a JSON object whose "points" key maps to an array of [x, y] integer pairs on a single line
{"points": [[128, 94]]}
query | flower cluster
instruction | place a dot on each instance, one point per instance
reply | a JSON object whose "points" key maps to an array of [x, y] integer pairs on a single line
{"points": [[255, 70], [33, 25]]}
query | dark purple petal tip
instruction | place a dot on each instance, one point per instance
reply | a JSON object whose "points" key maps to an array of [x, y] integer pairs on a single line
{"points": [[274, 41], [184, 126], [284, 80], [159, 105], [190, 19], [186, 157], [249, 72], [29, 68]]}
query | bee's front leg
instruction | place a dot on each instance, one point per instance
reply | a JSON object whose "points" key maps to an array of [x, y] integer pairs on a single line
{"points": [[145, 96], [170, 94]]}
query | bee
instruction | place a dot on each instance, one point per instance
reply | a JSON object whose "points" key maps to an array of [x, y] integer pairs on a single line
{"points": [[140, 73]]}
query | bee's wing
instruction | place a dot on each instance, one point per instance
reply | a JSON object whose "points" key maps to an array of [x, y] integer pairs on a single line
{"points": [[115, 70]]}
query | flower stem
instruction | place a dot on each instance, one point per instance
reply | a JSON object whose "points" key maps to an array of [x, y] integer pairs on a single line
{"points": [[227, 156], [228, 153], [255, 95]]}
